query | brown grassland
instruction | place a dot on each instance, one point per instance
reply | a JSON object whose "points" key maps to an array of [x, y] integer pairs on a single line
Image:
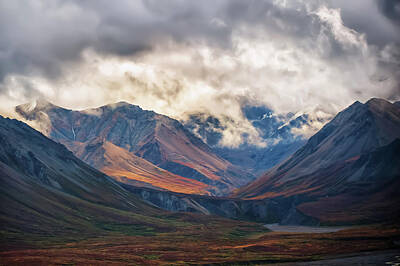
{"points": [[198, 240]]}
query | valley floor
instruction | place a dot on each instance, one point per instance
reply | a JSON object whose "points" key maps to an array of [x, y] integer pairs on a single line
{"points": [[204, 246], [386, 257], [305, 229]]}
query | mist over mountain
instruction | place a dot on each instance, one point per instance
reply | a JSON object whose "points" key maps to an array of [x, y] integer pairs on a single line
{"points": [[279, 134]]}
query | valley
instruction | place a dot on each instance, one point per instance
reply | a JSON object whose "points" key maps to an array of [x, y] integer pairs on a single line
{"points": [[56, 209], [229, 132], [304, 229], [206, 244]]}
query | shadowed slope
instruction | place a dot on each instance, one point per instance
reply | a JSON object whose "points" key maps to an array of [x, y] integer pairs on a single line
{"points": [[350, 167], [370, 193], [45, 189]]}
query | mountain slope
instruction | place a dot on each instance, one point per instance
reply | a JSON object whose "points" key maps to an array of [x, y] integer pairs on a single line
{"points": [[49, 199], [128, 168], [371, 190], [45, 190], [158, 139], [353, 158]]}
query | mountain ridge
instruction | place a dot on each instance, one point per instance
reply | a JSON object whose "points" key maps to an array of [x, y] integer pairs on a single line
{"points": [[156, 138], [334, 160]]}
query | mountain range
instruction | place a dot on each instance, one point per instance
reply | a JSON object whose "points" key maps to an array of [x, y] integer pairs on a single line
{"points": [[137, 147], [55, 209], [277, 131], [348, 171]]}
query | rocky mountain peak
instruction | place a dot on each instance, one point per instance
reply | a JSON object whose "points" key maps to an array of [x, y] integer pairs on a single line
{"points": [[29, 110]]}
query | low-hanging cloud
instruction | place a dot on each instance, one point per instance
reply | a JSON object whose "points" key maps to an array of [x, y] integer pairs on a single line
{"points": [[208, 57]]}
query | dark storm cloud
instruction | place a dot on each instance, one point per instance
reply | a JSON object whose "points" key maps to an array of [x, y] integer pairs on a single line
{"points": [[378, 19], [391, 9], [269, 15], [155, 22], [41, 36], [183, 56]]}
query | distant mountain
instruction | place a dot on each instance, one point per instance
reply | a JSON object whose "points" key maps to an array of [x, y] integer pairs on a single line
{"points": [[275, 130], [135, 146], [348, 171]]}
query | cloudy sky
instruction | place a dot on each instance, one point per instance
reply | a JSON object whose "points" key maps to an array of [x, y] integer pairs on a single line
{"points": [[180, 57]]}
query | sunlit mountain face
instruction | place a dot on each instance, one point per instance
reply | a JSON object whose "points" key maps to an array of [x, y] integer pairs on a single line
{"points": [[176, 132], [138, 147]]}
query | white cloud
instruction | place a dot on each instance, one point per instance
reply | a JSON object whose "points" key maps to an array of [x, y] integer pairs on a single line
{"points": [[275, 63]]}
